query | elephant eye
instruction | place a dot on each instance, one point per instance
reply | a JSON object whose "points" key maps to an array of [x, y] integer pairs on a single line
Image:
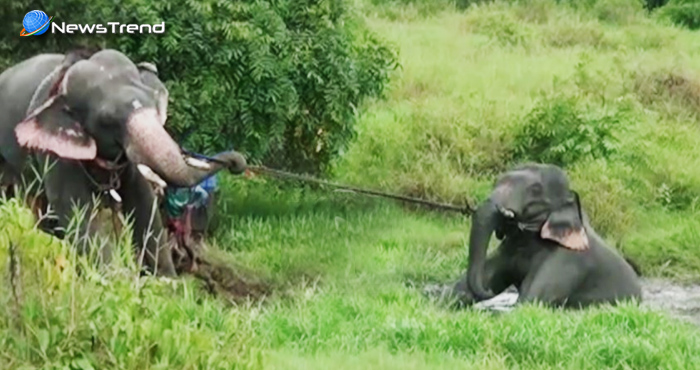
{"points": [[536, 189]]}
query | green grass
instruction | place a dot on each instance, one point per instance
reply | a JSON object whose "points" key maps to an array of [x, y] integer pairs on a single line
{"points": [[349, 270]]}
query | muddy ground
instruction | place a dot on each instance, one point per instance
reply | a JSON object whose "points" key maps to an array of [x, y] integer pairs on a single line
{"points": [[679, 300]]}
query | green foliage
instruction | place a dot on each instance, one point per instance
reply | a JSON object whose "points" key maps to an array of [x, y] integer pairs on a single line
{"points": [[557, 130], [653, 4], [682, 12], [277, 80]]}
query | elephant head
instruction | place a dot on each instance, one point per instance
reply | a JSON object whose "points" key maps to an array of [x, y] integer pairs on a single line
{"points": [[104, 107], [534, 198]]}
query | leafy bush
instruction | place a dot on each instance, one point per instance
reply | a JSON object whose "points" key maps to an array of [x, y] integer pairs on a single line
{"points": [[558, 131], [682, 12], [278, 80]]}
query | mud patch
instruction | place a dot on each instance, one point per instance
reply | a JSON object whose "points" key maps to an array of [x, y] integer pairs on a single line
{"points": [[231, 282], [679, 300], [221, 276]]}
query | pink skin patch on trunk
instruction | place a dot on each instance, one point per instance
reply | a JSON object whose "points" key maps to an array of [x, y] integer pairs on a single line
{"points": [[66, 142], [150, 144]]}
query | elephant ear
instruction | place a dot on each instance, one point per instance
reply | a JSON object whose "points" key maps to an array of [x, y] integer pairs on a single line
{"points": [[52, 128], [565, 226]]}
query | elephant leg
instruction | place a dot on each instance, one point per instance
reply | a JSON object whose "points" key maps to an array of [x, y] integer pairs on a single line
{"points": [[497, 278], [8, 179], [554, 282], [149, 235], [69, 193]]}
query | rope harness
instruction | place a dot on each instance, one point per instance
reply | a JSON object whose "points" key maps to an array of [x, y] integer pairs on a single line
{"points": [[114, 170]]}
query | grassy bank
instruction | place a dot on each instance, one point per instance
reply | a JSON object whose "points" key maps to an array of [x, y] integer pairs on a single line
{"points": [[477, 92]]}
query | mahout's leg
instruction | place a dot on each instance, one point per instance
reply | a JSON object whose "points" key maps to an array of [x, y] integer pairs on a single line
{"points": [[149, 235]]}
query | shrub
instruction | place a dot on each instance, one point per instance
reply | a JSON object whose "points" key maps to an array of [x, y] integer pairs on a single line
{"points": [[278, 80], [558, 131], [682, 12]]}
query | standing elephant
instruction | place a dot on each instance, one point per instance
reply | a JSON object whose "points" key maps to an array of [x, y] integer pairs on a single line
{"points": [[95, 121], [549, 252]]}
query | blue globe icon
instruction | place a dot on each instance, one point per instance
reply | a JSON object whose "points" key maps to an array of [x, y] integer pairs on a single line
{"points": [[35, 23]]}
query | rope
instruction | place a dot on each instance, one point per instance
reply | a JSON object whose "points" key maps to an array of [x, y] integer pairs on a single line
{"points": [[466, 210]]}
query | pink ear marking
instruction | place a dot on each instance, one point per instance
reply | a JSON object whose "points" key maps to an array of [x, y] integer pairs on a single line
{"points": [[64, 143], [571, 239]]}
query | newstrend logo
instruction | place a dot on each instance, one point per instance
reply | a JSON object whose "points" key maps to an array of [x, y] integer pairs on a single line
{"points": [[35, 23], [115, 27]]}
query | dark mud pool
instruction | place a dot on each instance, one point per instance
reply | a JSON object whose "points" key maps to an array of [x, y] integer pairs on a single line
{"points": [[679, 300]]}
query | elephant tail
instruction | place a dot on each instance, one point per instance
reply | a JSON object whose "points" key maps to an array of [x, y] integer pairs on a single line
{"points": [[635, 266]]}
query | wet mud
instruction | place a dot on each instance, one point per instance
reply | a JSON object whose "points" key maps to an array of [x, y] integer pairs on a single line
{"points": [[681, 301]]}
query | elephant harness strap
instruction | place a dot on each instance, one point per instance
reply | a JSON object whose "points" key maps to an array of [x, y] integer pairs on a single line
{"points": [[114, 170]]}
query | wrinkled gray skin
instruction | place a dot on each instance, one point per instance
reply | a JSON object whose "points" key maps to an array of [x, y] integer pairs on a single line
{"points": [[549, 251], [70, 110]]}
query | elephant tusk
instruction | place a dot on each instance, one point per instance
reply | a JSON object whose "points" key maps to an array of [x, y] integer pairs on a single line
{"points": [[115, 195], [506, 212], [199, 164], [151, 176]]}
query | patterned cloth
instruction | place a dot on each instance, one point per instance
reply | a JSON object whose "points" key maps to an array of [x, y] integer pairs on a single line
{"points": [[177, 199], [179, 203]]}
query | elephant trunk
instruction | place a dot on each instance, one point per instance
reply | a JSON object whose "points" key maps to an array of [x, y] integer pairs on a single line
{"points": [[483, 225], [149, 144]]}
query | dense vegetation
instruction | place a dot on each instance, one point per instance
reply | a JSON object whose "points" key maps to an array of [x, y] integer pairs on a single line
{"points": [[278, 80], [605, 88]]}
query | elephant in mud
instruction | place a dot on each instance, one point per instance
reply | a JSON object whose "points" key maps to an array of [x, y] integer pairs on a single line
{"points": [[549, 251], [94, 122]]}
